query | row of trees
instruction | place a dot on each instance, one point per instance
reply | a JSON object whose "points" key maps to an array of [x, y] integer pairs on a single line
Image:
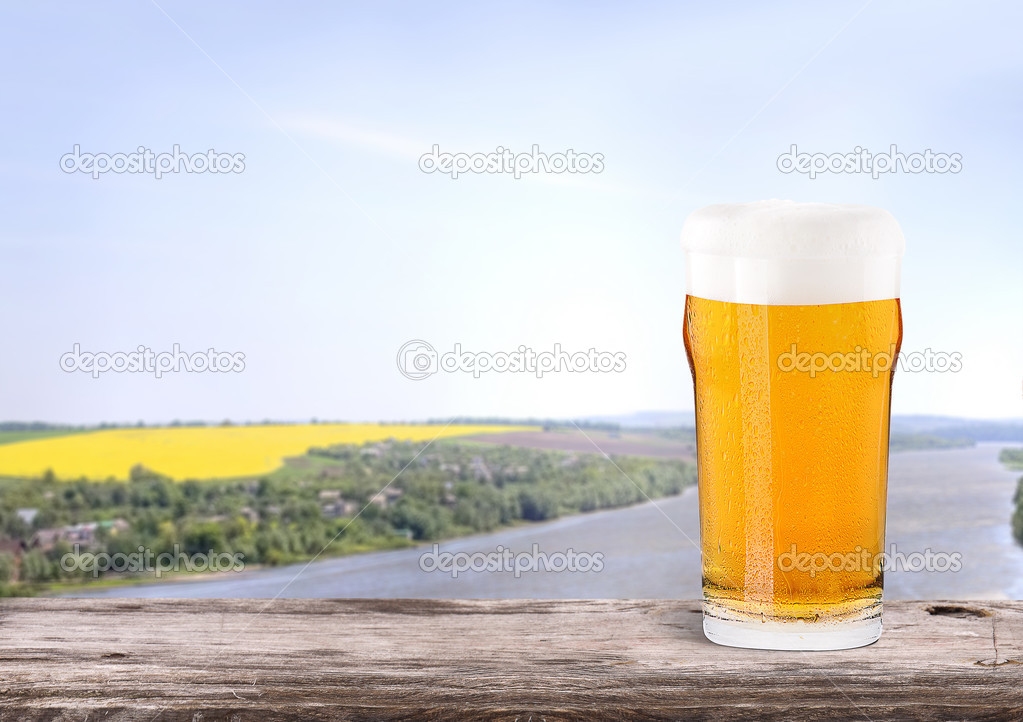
{"points": [[1013, 458], [1017, 516]]}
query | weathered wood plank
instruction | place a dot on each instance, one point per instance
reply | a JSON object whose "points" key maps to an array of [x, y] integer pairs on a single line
{"points": [[549, 660]]}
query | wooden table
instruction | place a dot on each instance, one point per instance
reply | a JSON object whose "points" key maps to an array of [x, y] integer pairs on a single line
{"points": [[527, 660]]}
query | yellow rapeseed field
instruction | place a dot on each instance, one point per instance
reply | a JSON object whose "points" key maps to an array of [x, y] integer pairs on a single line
{"points": [[200, 452]]}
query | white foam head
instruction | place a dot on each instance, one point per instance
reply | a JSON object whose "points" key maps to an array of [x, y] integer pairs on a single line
{"points": [[786, 253]]}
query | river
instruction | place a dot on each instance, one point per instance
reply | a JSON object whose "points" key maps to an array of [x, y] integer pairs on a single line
{"points": [[951, 501]]}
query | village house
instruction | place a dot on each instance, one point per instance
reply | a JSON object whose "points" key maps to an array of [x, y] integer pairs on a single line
{"points": [[83, 534]]}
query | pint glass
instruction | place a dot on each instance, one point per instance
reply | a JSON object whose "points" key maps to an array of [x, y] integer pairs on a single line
{"points": [[792, 329]]}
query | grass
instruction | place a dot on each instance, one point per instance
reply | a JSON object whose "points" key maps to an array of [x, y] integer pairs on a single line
{"points": [[13, 437], [1012, 458]]}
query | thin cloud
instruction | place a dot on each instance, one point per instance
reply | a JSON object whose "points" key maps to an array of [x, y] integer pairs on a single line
{"points": [[412, 149], [334, 131]]}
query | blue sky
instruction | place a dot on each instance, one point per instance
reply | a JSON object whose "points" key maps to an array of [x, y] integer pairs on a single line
{"points": [[332, 248]]}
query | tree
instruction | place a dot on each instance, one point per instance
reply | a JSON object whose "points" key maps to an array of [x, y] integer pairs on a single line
{"points": [[8, 567], [425, 521], [538, 504]]}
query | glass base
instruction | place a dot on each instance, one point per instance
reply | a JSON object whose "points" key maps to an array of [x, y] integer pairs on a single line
{"points": [[793, 635]]}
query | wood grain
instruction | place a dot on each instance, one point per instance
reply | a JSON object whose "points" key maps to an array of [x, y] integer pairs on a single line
{"points": [[324, 659]]}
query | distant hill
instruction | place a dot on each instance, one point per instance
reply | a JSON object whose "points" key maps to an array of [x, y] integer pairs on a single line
{"points": [[943, 427], [648, 419], [950, 427]]}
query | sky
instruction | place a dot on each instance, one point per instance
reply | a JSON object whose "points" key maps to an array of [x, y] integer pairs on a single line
{"points": [[331, 249]]}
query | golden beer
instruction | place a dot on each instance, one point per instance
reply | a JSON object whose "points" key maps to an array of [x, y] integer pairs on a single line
{"points": [[787, 459], [792, 410]]}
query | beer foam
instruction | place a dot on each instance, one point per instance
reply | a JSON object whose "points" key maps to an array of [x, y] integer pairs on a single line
{"points": [[786, 253]]}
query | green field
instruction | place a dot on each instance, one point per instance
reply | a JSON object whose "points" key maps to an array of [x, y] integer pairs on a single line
{"points": [[12, 437]]}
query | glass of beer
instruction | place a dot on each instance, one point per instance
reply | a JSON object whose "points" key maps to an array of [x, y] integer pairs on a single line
{"points": [[792, 329]]}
